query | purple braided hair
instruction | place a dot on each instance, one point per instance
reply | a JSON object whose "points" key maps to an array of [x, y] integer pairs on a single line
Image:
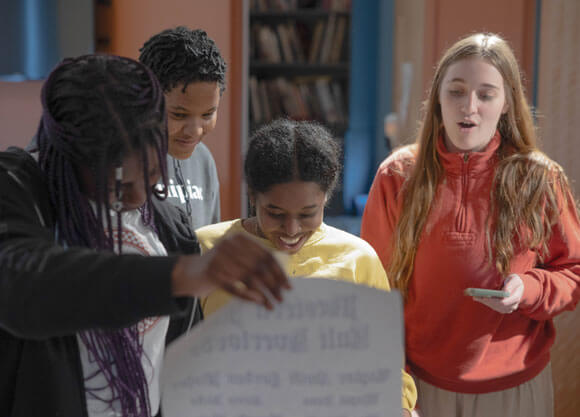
{"points": [[96, 110]]}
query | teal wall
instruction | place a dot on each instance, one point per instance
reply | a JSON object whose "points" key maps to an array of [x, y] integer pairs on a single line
{"points": [[371, 63]]}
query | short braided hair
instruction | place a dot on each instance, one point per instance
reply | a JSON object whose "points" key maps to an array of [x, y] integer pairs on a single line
{"points": [[181, 56]]}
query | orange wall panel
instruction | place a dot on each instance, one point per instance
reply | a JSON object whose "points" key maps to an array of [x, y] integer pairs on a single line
{"points": [[410, 30], [20, 112]]}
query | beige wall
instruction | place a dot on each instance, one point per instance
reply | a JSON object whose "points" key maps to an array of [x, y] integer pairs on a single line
{"points": [[559, 122], [409, 34], [559, 84]]}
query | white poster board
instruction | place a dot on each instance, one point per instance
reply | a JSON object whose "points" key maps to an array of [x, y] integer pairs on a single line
{"points": [[331, 349]]}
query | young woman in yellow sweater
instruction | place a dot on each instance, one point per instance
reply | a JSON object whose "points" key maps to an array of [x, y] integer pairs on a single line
{"points": [[291, 169]]}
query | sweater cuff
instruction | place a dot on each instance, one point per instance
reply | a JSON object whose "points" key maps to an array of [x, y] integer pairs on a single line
{"points": [[532, 291], [409, 392]]}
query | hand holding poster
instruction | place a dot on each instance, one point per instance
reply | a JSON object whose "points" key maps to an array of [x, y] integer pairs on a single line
{"points": [[331, 349]]}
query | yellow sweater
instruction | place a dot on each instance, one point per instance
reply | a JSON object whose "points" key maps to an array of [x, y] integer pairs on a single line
{"points": [[329, 253]]}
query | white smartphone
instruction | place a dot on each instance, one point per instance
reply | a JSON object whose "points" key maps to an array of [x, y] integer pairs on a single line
{"points": [[483, 292]]}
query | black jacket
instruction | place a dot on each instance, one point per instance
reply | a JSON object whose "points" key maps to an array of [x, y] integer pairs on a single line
{"points": [[48, 294]]}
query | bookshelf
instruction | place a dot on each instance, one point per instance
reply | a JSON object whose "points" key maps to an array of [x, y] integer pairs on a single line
{"points": [[299, 61], [299, 66]]}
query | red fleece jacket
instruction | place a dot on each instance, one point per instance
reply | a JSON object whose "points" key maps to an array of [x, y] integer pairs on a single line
{"points": [[453, 342]]}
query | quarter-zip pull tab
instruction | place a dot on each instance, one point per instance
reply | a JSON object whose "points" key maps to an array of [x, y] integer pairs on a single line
{"points": [[461, 220]]}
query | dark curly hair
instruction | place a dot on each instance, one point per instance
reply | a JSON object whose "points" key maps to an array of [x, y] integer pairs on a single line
{"points": [[181, 56], [287, 150], [97, 110]]}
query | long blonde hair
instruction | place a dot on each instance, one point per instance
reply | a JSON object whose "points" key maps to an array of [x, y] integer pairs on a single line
{"points": [[526, 182]]}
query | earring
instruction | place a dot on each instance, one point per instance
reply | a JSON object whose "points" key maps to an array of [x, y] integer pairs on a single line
{"points": [[117, 204]]}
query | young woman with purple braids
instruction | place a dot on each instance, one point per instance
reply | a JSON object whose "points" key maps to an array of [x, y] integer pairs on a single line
{"points": [[91, 280]]}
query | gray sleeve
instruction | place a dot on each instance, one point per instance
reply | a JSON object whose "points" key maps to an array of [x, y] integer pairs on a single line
{"points": [[215, 203]]}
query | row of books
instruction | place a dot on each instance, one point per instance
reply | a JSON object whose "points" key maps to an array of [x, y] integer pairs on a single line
{"points": [[322, 42], [312, 98], [287, 5]]}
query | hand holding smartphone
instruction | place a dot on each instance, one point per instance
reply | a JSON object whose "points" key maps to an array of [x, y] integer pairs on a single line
{"points": [[483, 292]]}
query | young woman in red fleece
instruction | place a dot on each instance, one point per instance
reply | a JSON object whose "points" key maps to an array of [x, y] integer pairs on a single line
{"points": [[474, 203]]}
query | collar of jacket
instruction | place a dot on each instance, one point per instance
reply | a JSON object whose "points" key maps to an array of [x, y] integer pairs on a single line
{"points": [[455, 162]]}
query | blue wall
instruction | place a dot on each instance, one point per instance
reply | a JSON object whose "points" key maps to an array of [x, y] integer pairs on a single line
{"points": [[372, 25], [28, 38]]}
